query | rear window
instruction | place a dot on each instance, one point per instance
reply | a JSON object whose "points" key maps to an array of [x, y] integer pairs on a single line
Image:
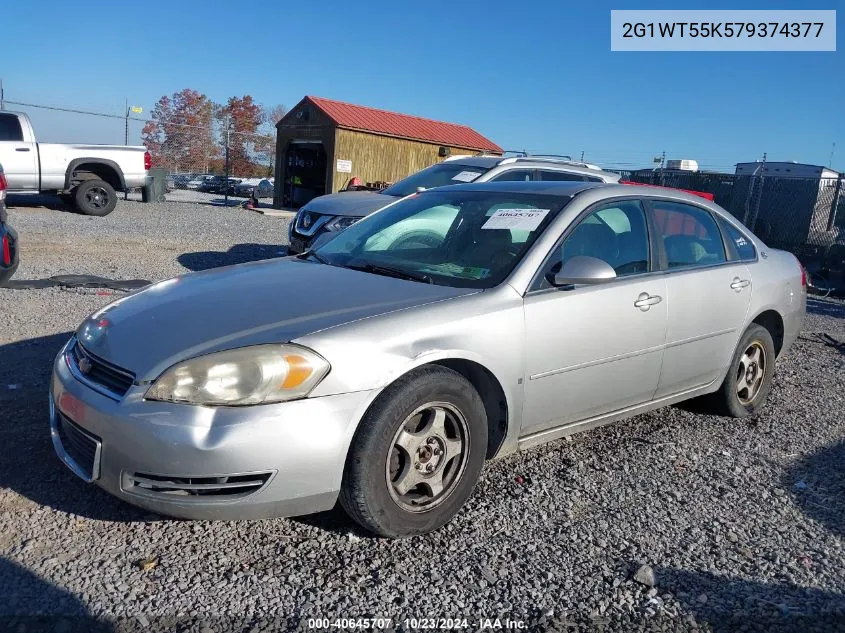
{"points": [[438, 175], [10, 128], [744, 247]]}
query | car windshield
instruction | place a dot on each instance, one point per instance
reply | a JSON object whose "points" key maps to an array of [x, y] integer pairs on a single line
{"points": [[468, 239], [434, 176]]}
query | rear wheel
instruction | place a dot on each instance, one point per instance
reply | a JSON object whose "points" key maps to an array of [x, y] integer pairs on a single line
{"points": [[417, 454], [95, 197], [749, 377]]}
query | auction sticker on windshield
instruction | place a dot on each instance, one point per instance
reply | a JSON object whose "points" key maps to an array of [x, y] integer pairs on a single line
{"points": [[526, 219], [466, 176]]}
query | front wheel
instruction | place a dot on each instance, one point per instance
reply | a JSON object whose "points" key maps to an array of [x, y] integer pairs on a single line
{"points": [[749, 378], [417, 454], [95, 197]]}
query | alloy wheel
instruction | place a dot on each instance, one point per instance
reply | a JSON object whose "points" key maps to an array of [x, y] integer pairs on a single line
{"points": [[750, 373], [428, 456]]}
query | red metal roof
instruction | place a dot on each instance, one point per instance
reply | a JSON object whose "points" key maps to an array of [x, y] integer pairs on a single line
{"points": [[355, 117]]}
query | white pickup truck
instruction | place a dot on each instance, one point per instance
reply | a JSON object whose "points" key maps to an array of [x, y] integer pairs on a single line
{"points": [[86, 176]]}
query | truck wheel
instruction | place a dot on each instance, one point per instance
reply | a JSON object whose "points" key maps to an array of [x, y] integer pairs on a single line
{"points": [[95, 197]]}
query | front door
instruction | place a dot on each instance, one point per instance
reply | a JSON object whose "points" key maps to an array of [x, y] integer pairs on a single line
{"points": [[708, 297], [594, 349], [19, 158]]}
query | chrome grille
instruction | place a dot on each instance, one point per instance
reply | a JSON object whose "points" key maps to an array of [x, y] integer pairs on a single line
{"points": [[317, 221], [97, 372], [226, 486]]}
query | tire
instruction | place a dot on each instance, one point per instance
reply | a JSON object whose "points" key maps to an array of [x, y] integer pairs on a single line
{"points": [[378, 469], [95, 197], [728, 399]]}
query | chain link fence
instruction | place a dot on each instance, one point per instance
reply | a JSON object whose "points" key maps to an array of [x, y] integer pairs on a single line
{"points": [[803, 215], [214, 166]]}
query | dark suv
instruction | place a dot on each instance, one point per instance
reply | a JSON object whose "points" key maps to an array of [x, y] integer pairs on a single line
{"points": [[337, 211]]}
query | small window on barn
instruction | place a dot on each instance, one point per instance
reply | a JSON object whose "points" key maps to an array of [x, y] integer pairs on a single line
{"points": [[690, 235]]}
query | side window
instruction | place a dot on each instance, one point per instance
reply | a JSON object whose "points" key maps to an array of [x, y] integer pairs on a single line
{"points": [[743, 245], [690, 235], [616, 233], [10, 128], [560, 176], [520, 175]]}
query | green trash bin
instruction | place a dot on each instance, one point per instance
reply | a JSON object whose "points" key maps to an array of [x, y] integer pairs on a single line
{"points": [[156, 186]]}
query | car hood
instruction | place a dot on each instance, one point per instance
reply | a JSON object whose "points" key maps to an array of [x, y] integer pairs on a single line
{"points": [[272, 301], [349, 203]]}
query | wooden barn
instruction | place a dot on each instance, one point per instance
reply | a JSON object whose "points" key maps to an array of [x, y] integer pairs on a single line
{"points": [[322, 144]]}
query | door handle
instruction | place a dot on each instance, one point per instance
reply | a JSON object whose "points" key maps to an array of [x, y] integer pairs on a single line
{"points": [[645, 301], [21, 149], [738, 284]]}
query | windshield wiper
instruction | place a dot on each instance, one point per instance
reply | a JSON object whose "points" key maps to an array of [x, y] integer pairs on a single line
{"points": [[308, 254], [387, 271]]}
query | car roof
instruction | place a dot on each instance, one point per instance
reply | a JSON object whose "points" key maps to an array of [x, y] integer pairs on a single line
{"points": [[529, 161], [573, 188], [547, 187]]}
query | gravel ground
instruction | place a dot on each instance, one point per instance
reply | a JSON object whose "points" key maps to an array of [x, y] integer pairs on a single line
{"points": [[737, 524]]}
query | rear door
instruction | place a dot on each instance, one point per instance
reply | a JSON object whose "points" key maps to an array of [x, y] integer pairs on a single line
{"points": [[708, 294], [18, 157]]}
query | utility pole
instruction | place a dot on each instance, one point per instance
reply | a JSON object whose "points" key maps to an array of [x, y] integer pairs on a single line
{"points": [[753, 224], [226, 185], [582, 155], [662, 168], [135, 109], [2, 96], [829, 162]]}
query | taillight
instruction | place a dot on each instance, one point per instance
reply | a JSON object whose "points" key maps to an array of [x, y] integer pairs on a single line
{"points": [[148, 160], [3, 185], [7, 251], [803, 277]]}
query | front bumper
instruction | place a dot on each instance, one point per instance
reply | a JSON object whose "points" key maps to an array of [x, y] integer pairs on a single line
{"points": [[295, 451]]}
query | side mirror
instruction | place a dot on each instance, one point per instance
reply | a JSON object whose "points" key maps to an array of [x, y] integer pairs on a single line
{"points": [[584, 270]]}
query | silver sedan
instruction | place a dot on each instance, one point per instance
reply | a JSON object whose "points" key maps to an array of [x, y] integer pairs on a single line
{"points": [[384, 372]]}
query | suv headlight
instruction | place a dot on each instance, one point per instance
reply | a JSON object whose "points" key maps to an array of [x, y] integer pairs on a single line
{"points": [[249, 375], [340, 223]]}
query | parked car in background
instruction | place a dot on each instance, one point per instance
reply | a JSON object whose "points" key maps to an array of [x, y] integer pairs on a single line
{"points": [[244, 188], [197, 181], [180, 181], [335, 212], [384, 377], [232, 185], [262, 187], [218, 184], [87, 176], [8, 238]]}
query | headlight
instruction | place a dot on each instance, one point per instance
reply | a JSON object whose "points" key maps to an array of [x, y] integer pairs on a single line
{"points": [[249, 375], [340, 223]]}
